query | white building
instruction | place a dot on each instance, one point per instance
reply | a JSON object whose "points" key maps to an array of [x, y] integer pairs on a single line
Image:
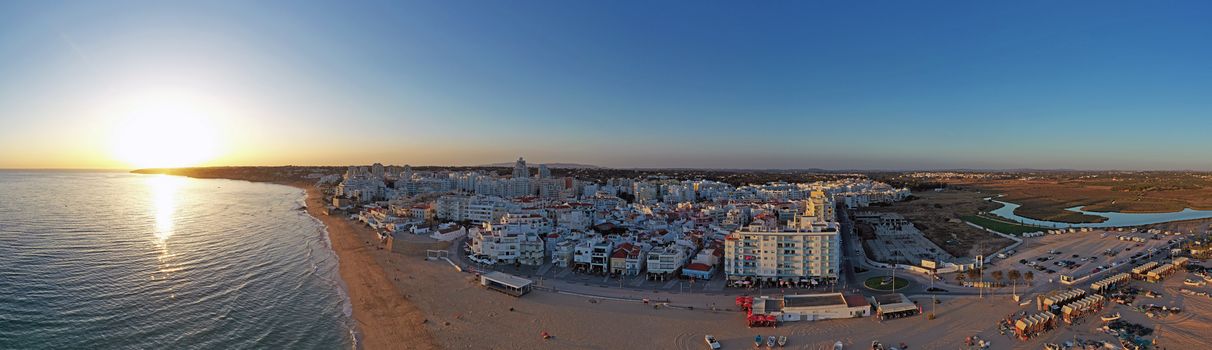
{"points": [[665, 262], [808, 246], [503, 246]]}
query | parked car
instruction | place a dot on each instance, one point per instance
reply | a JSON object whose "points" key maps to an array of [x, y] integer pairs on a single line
{"points": [[711, 342]]}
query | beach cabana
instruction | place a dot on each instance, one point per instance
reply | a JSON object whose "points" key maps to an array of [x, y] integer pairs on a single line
{"points": [[1110, 283], [1140, 271]]}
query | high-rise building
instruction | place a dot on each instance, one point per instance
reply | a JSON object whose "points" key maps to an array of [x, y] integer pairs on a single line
{"points": [[520, 170], [407, 173], [544, 173], [808, 246], [377, 170]]}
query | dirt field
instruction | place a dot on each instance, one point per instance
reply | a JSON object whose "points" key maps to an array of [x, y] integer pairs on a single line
{"points": [[1047, 197], [937, 215]]}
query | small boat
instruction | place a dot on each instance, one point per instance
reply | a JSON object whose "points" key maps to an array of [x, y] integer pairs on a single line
{"points": [[757, 340], [1110, 317], [770, 340], [782, 340], [838, 345]]}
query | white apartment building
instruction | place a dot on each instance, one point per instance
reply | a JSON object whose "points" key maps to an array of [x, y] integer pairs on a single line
{"points": [[481, 209], [561, 253], [599, 256], [807, 247], [582, 254], [496, 245], [478, 209], [531, 249], [664, 262], [505, 247], [526, 223]]}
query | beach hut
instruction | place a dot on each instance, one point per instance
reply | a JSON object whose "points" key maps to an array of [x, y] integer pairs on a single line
{"points": [[1032, 325], [1056, 300], [1159, 273], [1082, 307], [1110, 283], [1139, 272]]}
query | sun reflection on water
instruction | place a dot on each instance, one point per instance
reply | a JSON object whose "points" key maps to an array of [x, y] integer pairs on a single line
{"points": [[164, 203], [164, 197]]}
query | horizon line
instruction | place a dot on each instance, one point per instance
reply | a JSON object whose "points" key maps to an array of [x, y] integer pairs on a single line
{"points": [[592, 167]]}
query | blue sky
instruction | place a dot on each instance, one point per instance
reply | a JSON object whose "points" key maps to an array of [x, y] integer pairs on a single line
{"points": [[870, 85]]}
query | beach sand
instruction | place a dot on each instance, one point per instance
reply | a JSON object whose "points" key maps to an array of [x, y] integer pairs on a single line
{"points": [[385, 319], [406, 302]]}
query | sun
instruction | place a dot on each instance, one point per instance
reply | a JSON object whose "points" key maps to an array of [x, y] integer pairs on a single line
{"points": [[164, 134]]}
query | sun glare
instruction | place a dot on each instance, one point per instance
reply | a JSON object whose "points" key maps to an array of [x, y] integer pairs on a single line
{"points": [[164, 133]]}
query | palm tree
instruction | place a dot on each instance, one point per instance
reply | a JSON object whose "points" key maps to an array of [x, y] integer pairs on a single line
{"points": [[1028, 277], [1015, 275], [997, 275]]}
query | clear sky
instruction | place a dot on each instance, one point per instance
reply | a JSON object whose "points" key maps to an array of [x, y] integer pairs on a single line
{"points": [[769, 84]]}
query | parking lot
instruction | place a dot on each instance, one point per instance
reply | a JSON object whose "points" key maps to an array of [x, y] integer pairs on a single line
{"points": [[1081, 254]]}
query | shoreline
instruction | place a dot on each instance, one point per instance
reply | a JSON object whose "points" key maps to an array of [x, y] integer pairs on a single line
{"points": [[383, 318]]}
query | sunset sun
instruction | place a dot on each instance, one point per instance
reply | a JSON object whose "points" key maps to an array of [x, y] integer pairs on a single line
{"points": [[164, 135]]}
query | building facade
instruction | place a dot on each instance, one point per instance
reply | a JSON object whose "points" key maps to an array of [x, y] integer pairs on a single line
{"points": [[808, 246]]}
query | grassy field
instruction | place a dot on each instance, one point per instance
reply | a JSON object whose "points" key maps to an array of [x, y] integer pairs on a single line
{"points": [[1002, 226], [877, 283]]}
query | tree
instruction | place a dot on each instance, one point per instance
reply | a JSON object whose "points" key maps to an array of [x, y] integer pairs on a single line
{"points": [[974, 274], [997, 275], [959, 278], [1014, 276], [1028, 277]]}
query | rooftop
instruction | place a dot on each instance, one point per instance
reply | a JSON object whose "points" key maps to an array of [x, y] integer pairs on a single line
{"points": [[810, 300], [507, 279]]}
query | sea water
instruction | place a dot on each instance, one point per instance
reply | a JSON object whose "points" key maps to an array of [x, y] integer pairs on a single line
{"points": [[111, 260]]}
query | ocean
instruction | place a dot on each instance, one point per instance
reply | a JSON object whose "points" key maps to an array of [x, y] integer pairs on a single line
{"points": [[111, 260]]}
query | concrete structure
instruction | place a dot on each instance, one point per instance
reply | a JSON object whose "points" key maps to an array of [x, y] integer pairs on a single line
{"points": [[897, 241], [506, 283], [812, 307], [895, 306]]}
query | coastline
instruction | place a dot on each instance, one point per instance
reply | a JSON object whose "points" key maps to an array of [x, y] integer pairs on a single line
{"points": [[383, 317], [401, 301]]}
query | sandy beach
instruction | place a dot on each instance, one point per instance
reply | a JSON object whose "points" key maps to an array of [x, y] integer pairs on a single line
{"points": [[406, 302], [385, 318]]}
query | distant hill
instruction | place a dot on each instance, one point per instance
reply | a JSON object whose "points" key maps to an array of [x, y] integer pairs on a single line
{"points": [[549, 165]]}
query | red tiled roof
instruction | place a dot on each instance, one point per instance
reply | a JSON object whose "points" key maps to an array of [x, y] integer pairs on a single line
{"points": [[856, 300], [698, 267]]}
